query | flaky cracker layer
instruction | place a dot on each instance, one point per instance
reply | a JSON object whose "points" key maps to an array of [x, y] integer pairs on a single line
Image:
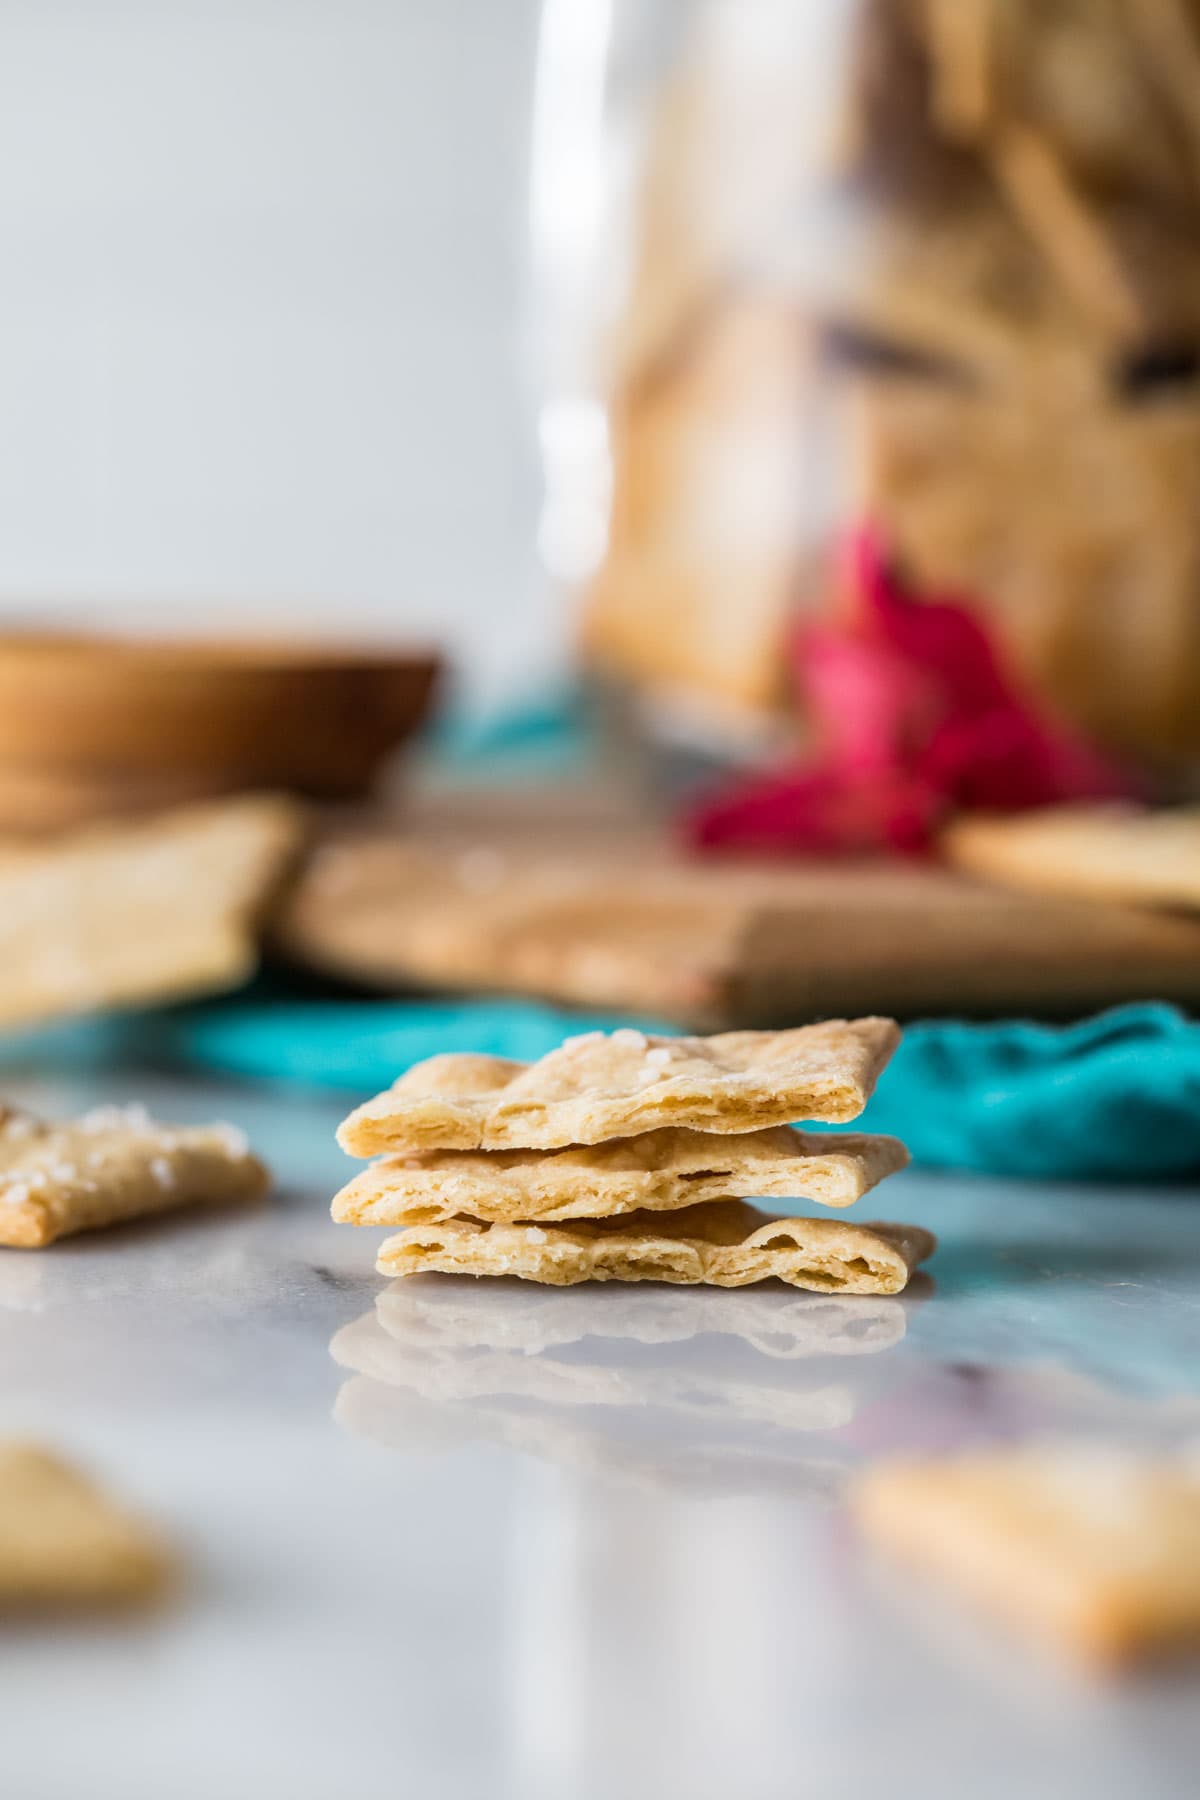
{"points": [[721, 1244], [620, 1084], [658, 1171]]}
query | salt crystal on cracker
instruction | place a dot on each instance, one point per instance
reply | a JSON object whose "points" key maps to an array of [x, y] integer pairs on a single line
{"points": [[589, 1089]]}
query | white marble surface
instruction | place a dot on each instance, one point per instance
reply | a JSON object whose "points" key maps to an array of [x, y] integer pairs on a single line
{"points": [[520, 1545]]}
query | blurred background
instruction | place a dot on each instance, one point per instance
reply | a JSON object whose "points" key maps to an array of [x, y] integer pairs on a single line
{"points": [[446, 326], [757, 443], [265, 323]]}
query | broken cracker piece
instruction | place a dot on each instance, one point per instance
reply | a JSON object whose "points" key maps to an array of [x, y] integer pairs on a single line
{"points": [[1103, 852], [619, 1084], [656, 1172], [1094, 1547], [724, 1243], [154, 910], [113, 1164], [64, 1543]]}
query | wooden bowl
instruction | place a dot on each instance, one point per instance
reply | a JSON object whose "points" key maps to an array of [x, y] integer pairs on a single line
{"points": [[93, 714]]}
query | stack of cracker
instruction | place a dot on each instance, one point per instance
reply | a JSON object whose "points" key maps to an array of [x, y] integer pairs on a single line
{"points": [[622, 1157]]}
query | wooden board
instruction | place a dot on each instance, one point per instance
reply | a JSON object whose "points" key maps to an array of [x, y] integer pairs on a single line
{"points": [[607, 916]]}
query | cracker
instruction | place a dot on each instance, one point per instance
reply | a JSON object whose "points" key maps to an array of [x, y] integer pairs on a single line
{"points": [[775, 1322], [366, 1349], [113, 1164], [725, 1243], [122, 915], [65, 1543], [658, 1171], [1095, 1548], [602, 1086], [1120, 853]]}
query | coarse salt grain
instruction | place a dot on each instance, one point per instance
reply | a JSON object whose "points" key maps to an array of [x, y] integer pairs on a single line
{"points": [[231, 1138], [162, 1172], [116, 1118], [629, 1039], [582, 1037], [34, 1178], [19, 1125]]}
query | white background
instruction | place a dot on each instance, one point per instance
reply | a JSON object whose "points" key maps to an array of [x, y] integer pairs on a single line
{"points": [[263, 320]]}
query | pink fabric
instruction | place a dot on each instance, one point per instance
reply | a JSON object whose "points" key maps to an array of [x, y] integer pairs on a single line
{"points": [[915, 717]]}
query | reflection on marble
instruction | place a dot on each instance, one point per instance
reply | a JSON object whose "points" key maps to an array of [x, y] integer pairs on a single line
{"points": [[774, 1319], [643, 1447], [756, 1389], [649, 1382], [678, 1571]]}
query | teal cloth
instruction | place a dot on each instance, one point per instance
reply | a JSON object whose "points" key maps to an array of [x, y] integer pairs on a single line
{"points": [[1116, 1097]]}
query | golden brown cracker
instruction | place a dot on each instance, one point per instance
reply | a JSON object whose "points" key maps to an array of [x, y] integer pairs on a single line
{"points": [[721, 1244], [1093, 1547], [1103, 852], [126, 914], [113, 1164], [64, 1543], [619, 1084], [658, 1171]]}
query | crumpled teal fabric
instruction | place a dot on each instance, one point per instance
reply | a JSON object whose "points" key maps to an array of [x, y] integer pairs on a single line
{"points": [[1113, 1098], [1116, 1097]]}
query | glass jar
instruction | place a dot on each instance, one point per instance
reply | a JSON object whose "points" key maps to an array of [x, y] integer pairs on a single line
{"points": [[931, 264]]}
